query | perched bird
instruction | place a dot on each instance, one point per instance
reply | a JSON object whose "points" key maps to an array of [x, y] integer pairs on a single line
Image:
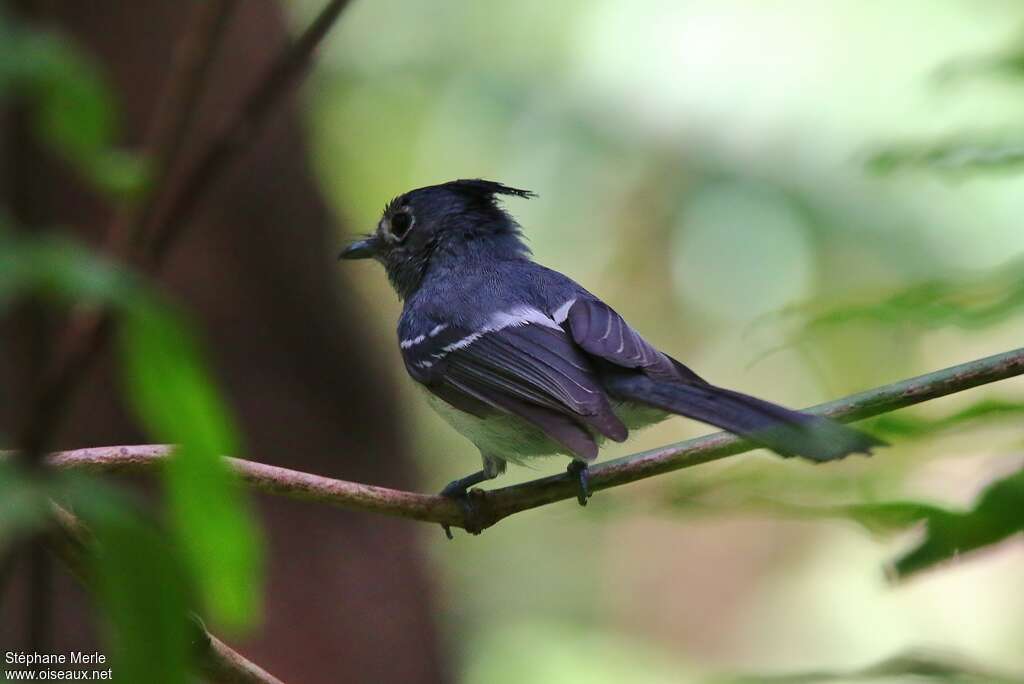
{"points": [[524, 362]]}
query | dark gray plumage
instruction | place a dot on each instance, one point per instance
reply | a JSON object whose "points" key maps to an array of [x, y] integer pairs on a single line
{"points": [[525, 362]]}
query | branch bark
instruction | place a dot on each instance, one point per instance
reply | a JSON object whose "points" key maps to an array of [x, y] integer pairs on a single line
{"points": [[496, 504]]}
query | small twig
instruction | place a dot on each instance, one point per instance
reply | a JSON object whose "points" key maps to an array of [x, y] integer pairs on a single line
{"points": [[69, 540], [496, 504], [174, 116], [241, 129], [224, 665]]}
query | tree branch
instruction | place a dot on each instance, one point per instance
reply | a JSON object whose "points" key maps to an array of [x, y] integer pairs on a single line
{"points": [[173, 120], [240, 130], [496, 504]]}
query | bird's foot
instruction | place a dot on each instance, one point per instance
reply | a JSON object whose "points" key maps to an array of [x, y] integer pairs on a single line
{"points": [[458, 491], [579, 470]]}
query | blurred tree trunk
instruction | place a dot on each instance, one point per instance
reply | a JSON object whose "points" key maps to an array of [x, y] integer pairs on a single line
{"points": [[348, 596]]}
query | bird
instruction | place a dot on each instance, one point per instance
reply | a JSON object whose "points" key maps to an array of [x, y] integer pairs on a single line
{"points": [[525, 362]]}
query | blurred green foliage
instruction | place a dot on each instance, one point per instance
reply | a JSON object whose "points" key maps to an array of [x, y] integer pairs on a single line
{"points": [[906, 425], [975, 301], [971, 301], [70, 107], [967, 301], [917, 666], [996, 515], [135, 570], [963, 157], [25, 507], [172, 392], [143, 586]]}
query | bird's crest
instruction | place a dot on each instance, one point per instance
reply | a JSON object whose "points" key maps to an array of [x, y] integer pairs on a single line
{"points": [[486, 190]]}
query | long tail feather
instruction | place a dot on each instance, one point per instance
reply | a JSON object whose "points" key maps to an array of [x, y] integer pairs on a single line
{"points": [[784, 431]]}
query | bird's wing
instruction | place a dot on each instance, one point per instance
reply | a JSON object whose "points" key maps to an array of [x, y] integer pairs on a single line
{"points": [[601, 332], [521, 363]]}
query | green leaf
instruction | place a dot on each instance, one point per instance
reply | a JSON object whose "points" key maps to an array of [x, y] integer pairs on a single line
{"points": [[24, 506], [1007, 63], [63, 271], [953, 156], [889, 516], [997, 515], [905, 425], [170, 390], [916, 665], [142, 586], [72, 108], [968, 301]]}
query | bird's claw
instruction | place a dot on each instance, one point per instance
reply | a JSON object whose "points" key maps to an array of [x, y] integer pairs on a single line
{"points": [[579, 469], [457, 491]]}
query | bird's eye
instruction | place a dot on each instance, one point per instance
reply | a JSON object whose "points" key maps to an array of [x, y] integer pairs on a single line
{"points": [[400, 224]]}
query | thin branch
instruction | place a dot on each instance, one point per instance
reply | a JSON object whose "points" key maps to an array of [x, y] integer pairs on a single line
{"points": [[493, 505], [224, 665], [242, 128], [173, 120], [69, 540], [271, 479]]}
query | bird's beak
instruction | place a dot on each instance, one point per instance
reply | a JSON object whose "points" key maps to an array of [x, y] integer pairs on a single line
{"points": [[363, 249]]}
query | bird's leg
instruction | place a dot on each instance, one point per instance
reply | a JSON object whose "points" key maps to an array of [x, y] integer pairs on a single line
{"points": [[579, 470], [458, 490]]}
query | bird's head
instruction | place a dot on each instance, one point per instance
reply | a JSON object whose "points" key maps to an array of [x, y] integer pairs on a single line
{"points": [[456, 220]]}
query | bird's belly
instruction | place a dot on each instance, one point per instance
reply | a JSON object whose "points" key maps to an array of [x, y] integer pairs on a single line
{"points": [[507, 437], [512, 439]]}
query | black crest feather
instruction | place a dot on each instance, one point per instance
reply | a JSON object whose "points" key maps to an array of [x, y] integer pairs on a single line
{"points": [[485, 189]]}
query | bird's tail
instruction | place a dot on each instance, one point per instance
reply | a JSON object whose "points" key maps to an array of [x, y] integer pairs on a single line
{"points": [[784, 431]]}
